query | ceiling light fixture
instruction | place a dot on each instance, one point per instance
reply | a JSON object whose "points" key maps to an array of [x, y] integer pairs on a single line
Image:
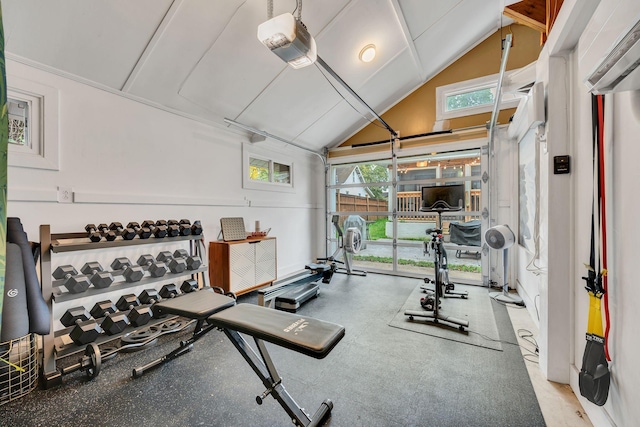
{"points": [[368, 53], [287, 37]]}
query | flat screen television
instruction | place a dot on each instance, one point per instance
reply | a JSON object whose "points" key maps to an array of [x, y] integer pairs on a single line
{"points": [[444, 197]]}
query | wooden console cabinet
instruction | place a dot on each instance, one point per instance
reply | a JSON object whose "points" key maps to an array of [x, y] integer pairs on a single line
{"points": [[241, 266]]}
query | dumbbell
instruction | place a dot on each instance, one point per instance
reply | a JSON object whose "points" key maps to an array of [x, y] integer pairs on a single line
{"points": [[86, 329], [99, 277], [110, 235], [189, 286], [138, 315], [176, 265], [184, 229], [158, 231], [113, 322], [196, 228], [74, 282], [94, 234], [149, 296], [142, 232], [173, 229], [156, 269], [131, 273], [102, 308], [169, 291], [126, 233], [193, 262]]}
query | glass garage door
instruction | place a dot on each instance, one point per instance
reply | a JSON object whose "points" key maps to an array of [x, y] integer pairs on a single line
{"points": [[383, 200]]}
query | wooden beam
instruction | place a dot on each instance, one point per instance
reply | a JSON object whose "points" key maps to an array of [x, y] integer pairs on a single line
{"points": [[553, 8], [532, 13]]}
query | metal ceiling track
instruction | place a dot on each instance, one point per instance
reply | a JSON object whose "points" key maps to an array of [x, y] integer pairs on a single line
{"points": [[277, 138], [344, 84]]}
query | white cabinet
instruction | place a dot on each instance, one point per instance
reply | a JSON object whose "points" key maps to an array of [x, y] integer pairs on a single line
{"points": [[243, 265]]}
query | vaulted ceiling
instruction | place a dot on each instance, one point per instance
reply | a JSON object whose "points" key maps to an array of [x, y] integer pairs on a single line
{"points": [[202, 57]]}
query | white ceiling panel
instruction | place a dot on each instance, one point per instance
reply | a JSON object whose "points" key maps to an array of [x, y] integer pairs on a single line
{"points": [[420, 15], [480, 21], [237, 67], [342, 117], [187, 36], [361, 23], [100, 40], [292, 102]]}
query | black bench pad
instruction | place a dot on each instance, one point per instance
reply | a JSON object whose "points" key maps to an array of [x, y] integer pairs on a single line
{"points": [[306, 335], [195, 305]]}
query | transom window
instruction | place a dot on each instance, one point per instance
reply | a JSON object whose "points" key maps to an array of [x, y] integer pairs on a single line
{"points": [[470, 97]]}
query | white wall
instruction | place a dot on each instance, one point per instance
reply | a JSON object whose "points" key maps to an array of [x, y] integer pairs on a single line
{"points": [[127, 161], [623, 152], [556, 296]]}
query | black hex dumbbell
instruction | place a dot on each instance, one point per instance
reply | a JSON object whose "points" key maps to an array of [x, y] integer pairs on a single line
{"points": [[173, 229], [138, 315], [156, 269], [97, 276], [85, 329], [169, 291], [94, 233], [193, 262], [195, 229], [184, 229], [188, 286], [142, 232], [74, 282], [149, 296], [158, 231], [110, 235], [114, 323], [126, 233], [176, 265], [131, 273], [102, 308]]}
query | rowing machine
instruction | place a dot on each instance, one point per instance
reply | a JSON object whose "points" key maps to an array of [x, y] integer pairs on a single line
{"points": [[348, 244]]}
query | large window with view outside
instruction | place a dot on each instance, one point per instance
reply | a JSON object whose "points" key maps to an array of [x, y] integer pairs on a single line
{"points": [[390, 218]]}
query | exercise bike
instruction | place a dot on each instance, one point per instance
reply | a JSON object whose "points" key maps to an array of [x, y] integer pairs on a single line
{"points": [[443, 288], [348, 244]]}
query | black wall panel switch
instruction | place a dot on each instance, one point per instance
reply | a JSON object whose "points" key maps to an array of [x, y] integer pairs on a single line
{"points": [[561, 164]]}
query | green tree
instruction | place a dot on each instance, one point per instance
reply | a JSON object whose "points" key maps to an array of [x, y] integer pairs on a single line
{"points": [[373, 173]]}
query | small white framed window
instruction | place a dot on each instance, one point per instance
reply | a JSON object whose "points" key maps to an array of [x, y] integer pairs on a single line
{"points": [[470, 97], [262, 170], [33, 124]]}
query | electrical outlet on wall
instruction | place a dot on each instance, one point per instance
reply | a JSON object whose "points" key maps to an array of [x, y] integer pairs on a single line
{"points": [[65, 195]]}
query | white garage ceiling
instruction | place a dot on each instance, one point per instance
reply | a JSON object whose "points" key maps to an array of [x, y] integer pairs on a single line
{"points": [[202, 57]]}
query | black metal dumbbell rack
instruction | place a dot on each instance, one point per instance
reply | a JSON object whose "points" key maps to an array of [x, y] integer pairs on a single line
{"points": [[57, 345]]}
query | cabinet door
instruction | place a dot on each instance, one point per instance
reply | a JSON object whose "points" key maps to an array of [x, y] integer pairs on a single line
{"points": [[242, 266], [265, 261]]}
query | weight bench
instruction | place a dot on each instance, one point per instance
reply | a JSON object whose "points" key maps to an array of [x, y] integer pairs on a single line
{"points": [[312, 337]]}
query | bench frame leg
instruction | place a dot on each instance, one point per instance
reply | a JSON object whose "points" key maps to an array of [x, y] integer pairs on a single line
{"points": [[264, 367], [184, 347]]}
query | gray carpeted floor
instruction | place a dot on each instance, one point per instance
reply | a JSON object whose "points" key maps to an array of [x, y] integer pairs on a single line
{"points": [[376, 376]]}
